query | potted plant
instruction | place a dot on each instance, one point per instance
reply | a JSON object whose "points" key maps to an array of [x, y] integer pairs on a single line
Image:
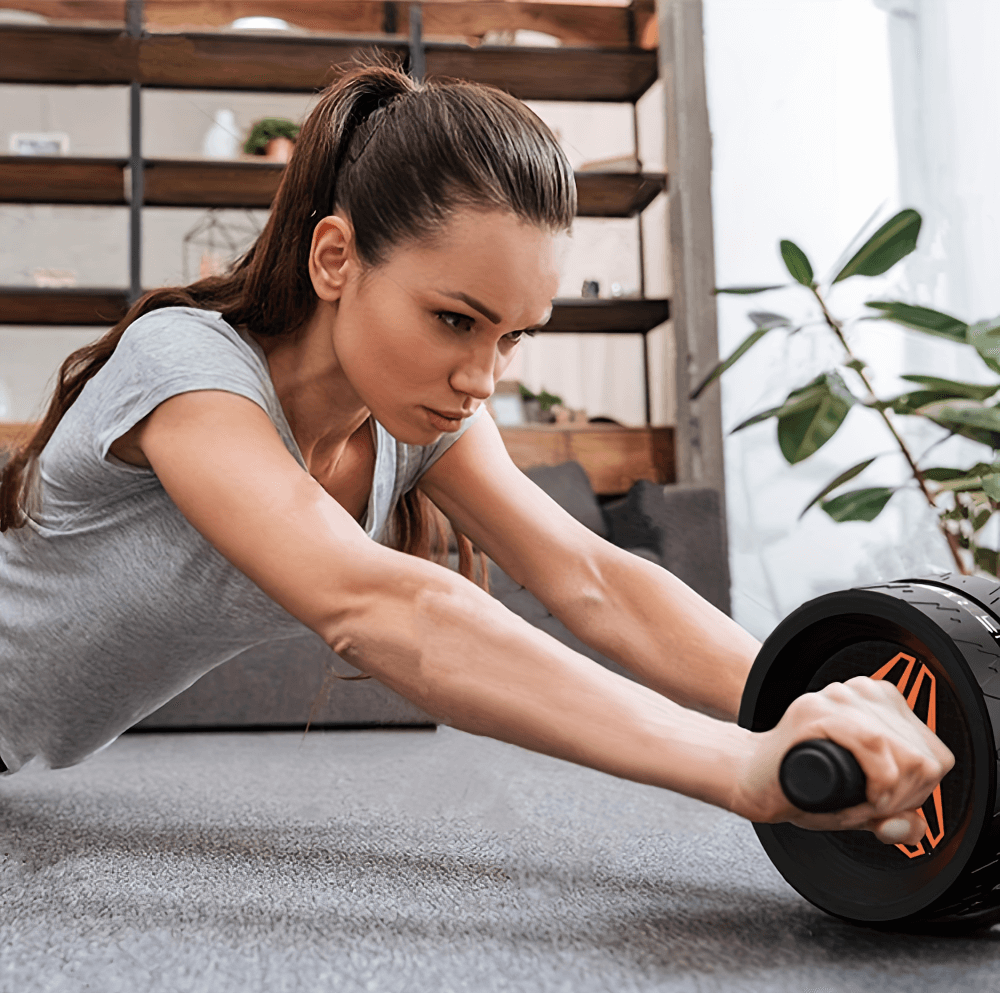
{"points": [[272, 138], [538, 407], [965, 497]]}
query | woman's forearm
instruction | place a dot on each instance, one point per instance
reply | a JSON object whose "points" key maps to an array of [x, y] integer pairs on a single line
{"points": [[669, 637], [471, 663]]}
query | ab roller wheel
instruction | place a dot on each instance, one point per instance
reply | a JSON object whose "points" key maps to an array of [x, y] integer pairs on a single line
{"points": [[937, 639]]}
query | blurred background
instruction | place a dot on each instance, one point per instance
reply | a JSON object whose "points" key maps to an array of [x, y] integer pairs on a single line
{"points": [[826, 117]]}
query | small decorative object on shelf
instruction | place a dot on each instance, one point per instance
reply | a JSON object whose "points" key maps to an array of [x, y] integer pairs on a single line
{"points": [[506, 405], [591, 289], [6, 401], [215, 242], [54, 278], [616, 163], [39, 143], [273, 138], [567, 415], [538, 407], [221, 139], [260, 24]]}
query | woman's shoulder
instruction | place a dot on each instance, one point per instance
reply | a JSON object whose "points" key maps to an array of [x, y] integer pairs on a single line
{"points": [[178, 318], [186, 331]]}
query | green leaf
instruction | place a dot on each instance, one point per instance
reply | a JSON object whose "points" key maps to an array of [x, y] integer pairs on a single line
{"points": [[757, 418], [798, 400], [940, 474], [987, 559], [840, 480], [857, 365], [796, 263], [721, 367], [747, 290], [941, 391], [984, 336], [954, 387], [963, 479], [981, 519], [991, 487], [820, 409], [859, 505], [893, 241], [921, 319], [768, 320], [968, 418]]}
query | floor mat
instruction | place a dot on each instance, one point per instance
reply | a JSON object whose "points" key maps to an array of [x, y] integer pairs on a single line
{"points": [[409, 861]]}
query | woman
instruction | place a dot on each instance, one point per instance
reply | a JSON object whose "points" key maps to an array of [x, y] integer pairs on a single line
{"points": [[212, 472]]}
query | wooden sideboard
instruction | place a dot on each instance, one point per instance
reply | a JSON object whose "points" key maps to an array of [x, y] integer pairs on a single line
{"points": [[11, 431], [613, 456]]}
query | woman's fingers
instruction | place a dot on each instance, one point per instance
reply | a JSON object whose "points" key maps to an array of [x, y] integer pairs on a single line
{"points": [[903, 829], [902, 759]]}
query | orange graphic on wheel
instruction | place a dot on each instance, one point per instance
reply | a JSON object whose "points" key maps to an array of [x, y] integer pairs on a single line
{"points": [[928, 701]]}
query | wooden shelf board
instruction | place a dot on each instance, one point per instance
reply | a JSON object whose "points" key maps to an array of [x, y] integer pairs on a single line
{"points": [[574, 24], [83, 306], [242, 183], [618, 316], [617, 194], [77, 307], [297, 64]]}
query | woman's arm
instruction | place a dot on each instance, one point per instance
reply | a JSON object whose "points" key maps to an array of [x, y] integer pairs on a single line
{"points": [[443, 643], [653, 624], [458, 653]]}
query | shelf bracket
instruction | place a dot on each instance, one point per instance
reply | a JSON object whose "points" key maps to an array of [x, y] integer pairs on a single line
{"points": [[418, 60], [136, 178]]}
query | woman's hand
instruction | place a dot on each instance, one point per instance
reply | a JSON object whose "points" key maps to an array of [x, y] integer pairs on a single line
{"points": [[901, 758]]}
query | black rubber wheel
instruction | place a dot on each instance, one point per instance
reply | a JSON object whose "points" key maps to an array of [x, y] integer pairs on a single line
{"points": [[938, 639]]}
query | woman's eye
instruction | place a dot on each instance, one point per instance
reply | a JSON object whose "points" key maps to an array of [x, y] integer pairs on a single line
{"points": [[447, 315], [462, 322]]}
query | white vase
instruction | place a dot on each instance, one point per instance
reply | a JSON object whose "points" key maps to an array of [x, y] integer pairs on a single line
{"points": [[6, 402], [221, 139]]}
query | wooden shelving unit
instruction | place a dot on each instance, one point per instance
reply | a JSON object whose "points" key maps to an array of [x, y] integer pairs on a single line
{"points": [[244, 183], [235, 61], [92, 306], [75, 54]]}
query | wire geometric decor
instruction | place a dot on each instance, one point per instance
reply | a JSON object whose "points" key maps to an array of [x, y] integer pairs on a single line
{"points": [[216, 241]]}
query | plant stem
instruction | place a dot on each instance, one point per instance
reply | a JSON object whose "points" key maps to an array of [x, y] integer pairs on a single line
{"points": [[837, 329]]}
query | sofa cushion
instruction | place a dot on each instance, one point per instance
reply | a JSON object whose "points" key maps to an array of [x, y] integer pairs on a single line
{"points": [[569, 485]]}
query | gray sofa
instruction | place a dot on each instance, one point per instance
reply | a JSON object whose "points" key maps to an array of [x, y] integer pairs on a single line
{"points": [[676, 526], [278, 685]]}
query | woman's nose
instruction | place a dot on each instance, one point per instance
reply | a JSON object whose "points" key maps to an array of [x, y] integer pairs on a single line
{"points": [[477, 376]]}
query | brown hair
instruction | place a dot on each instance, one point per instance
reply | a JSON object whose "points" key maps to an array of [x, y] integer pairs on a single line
{"points": [[399, 158]]}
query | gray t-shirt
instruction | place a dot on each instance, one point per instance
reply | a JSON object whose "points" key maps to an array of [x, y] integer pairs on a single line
{"points": [[111, 602]]}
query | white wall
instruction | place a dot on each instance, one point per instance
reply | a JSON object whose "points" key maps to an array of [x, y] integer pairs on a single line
{"points": [[803, 145]]}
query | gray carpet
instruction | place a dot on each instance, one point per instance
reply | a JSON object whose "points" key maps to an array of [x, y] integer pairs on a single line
{"points": [[409, 861]]}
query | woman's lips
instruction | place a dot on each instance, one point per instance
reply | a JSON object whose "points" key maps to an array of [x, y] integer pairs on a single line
{"points": [[441, 422]]}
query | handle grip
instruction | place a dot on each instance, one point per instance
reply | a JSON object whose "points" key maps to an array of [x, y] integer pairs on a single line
{"points": [[820, 776]]}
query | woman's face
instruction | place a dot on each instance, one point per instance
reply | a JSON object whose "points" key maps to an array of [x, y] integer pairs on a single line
{"points": [[429, 332]]}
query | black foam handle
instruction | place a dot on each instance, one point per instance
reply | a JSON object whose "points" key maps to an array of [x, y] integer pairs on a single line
{"points": [[820, 776]]}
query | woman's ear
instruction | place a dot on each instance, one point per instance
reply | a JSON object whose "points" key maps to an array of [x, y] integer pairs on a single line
{"points": [[331, 256]]}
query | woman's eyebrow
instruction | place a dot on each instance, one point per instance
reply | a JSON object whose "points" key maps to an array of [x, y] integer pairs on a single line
{"points": [[475, 305], [487, 313]]}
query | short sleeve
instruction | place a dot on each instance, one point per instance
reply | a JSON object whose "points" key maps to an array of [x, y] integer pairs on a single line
{"points": [[166, 352]]}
